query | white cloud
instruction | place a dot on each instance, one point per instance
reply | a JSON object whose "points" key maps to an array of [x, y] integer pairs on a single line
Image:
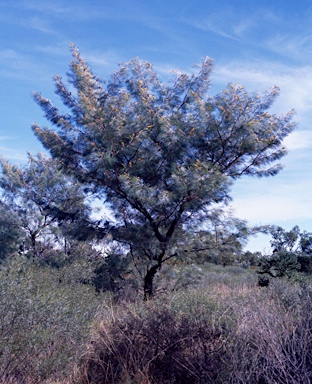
{"points": [[17, 65], [271, 208], [299, 140], [218, 23], [100, 59], [14, 155], [52, 7], [295, 83], [42, 25]]}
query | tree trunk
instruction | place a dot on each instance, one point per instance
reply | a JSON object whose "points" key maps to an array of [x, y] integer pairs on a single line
{"points": [[33, 237], [149, 280]]}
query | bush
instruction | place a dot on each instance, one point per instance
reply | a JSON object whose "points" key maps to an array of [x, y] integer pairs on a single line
{"points": [[10, 231], [225, 329], [44, 322], [155, 343], [217, 334], [272, 342]]}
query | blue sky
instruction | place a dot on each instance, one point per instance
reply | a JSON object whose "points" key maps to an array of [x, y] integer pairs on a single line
{"points": [[255, 43]]}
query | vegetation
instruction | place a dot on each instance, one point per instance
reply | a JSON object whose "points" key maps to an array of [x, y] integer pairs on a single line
{"points": [[217, 334], [163, 156], [45, 318], [224, 329], [291, 253]]}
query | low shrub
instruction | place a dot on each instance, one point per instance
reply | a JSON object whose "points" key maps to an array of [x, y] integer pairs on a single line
{"points": [[158, 343], [216, 334], [44, 322]]}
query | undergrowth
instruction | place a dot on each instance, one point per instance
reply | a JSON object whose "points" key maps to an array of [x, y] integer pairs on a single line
{"points": [[224, 328]]}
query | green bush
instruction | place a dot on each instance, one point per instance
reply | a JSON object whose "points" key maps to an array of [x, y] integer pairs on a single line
{"points": [[10, 231], [44, 320]]}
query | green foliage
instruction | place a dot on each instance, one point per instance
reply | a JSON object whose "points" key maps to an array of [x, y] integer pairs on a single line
{"points": [[291, 253], [283, 240], [45, 317], [43, 198], [110, 272], [10, 232], [306, 243], [220, 241], [280, 264], [161, 154]]}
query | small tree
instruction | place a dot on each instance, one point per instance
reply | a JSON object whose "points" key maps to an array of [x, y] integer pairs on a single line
{"points": [[220, 241], [291, 253], [43, 198], [283, 240], [161, 154], [10, 231]]}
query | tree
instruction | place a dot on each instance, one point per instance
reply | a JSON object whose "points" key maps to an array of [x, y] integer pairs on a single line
{"points": [[220, 241], [280, 264], [283, 240], [10, 231], [162, 155], [44, 199], [291, 253]]}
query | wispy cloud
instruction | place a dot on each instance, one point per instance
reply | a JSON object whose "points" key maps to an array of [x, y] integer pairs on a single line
{"points": [[291, 45], [18, 65], [262, 29], [99, 59], [59, 9], [15, 155], [42, 25], [214, 23], [59, 49], [52, 7], [228, 21], [299, 140], [295, 82]]}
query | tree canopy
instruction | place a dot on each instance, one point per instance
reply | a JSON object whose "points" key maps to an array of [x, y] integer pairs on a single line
{"points": [[43, 198], [162, 154]]}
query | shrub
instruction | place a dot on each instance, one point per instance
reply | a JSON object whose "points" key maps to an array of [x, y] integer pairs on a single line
{"points": [[272, 342], [215, 334], [158, 343], [44, 321]]}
